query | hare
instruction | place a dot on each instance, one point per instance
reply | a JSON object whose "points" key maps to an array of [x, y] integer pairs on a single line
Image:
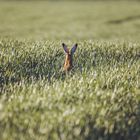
{"points": [[69, 57]]}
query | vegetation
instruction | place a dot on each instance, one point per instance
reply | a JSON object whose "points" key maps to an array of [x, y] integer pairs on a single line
{"points": [[70, 21], [98, 99]]}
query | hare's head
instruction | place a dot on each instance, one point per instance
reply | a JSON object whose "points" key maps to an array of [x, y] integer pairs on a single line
{"points": [[69, 56]]}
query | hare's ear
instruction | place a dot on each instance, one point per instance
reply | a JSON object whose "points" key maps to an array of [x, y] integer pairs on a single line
{"points": [[65, 48], [74, 48]]}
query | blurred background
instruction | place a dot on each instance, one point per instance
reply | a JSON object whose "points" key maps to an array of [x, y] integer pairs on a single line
{"points": [[70, 20]]}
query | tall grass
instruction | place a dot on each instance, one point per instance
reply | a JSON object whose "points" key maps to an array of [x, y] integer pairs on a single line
{"points": [[99, 99]]}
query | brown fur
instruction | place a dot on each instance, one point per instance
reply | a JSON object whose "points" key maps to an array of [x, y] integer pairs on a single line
{"points": [[69, 55], [68, 62]]}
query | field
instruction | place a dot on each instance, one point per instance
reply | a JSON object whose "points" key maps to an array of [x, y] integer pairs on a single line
{"points": [[98, 100]]}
